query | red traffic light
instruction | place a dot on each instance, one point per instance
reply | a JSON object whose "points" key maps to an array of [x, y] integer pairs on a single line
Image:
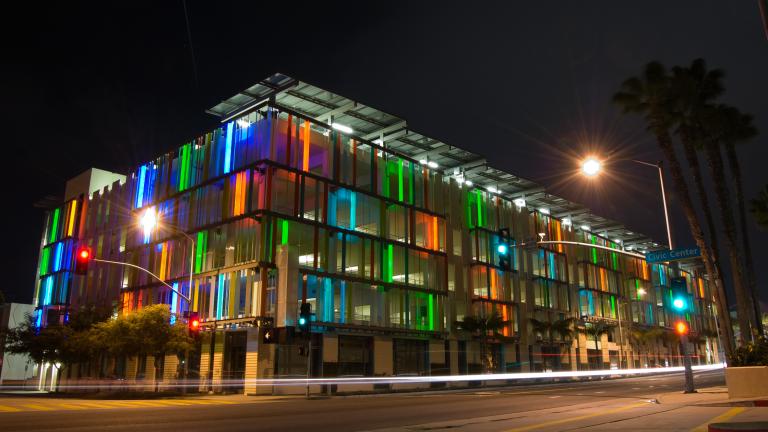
{"points": [[681, 327], [82, 259], [194, 322]]}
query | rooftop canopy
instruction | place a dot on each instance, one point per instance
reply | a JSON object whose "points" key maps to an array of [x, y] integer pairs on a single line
{"points": [[378, 127]]}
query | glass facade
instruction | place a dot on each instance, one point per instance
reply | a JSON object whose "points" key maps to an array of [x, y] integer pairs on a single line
{"points": [[379, 242]]}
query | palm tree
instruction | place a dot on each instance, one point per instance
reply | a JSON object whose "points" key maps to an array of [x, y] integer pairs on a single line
{"points": [[718, 125], [742, 129], [563, 327], [480, 326], [759, 207], [649, 96], [647, 338], [692, 88], [596, 330]]}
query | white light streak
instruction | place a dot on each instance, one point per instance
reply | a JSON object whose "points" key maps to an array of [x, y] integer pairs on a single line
{"points": [[342, 128]]}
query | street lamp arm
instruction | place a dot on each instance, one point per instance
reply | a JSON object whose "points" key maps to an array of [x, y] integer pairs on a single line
{"points": [[632, 254], [145, 271], [655, 165]]}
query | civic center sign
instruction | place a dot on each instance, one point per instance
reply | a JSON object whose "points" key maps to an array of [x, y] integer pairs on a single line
{"points": [[673, 255]]}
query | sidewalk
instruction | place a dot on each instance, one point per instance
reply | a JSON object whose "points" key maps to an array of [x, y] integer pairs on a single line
{"points": [[710, 396]]}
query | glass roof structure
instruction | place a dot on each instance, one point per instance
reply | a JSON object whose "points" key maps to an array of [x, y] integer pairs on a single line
{"points": [[378, 127]]}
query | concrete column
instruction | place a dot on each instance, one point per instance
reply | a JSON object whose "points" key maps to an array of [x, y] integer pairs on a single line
{"points": [[454, 353], [265, 366], [574, 361], [131, 366], [205, 359], [383, 361], [330, 355], [252, 360], [170, 369], [287, 261], [509, 355], [436, 357], [604, 350], [583, 349]]}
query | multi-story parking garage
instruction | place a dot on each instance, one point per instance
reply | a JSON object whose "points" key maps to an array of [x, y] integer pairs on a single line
{"points": [[305, 196]]}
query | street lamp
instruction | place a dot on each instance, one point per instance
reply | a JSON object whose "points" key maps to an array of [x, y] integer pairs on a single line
{"points": [[592, 166], [150, 220]]}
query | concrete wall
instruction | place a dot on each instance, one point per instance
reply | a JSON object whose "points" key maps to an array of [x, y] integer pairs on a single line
{"points": [[14, 368], [747, 382]]}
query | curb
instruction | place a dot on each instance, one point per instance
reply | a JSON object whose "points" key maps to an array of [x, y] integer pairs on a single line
{"points": [[738, 426], [740, 403]]}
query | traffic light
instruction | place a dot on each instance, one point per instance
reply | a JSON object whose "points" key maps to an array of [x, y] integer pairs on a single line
{"points": [[502, 249], [268, 332], [194, 323], [679, 295], [305, 317], [681, 328], [82, 259], [268, 336]]}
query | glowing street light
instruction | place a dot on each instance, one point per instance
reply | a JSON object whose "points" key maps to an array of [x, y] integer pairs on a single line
{"points": [[148, 221], [591, 167]]}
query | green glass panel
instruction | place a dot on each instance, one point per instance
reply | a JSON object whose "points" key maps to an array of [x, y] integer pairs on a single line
{"points": [[54, 226], [284, 232]]}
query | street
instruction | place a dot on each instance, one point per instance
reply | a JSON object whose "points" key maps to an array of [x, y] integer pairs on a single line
{"points": [[622, 404]]}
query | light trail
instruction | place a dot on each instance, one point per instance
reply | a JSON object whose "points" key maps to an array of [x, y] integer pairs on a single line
{"points": [[519, 376]]}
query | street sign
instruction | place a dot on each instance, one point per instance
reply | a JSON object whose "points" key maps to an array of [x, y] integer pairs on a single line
{"points": [[673, 255]]}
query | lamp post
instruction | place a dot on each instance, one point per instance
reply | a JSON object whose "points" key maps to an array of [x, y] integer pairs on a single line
{"points": [[149, 222], [592, 166]]}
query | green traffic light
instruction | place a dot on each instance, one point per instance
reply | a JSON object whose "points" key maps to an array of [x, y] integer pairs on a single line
{"points": [[678, 303], [302, 321]]}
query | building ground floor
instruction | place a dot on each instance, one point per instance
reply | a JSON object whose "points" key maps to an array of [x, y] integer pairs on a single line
{"points": [[237, 361]]}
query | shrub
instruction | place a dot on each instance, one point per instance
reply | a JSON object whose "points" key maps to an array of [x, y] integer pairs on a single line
{"points": [[751, 354]]}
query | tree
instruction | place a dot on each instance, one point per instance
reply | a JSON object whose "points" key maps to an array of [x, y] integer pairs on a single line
{"points": [[649, 95], [480, 326], [596, 330], [719, 124], [742, 129], [563, 327], [146, 332], [42, 345], [692, 88], [57, 344], [759, 208]]}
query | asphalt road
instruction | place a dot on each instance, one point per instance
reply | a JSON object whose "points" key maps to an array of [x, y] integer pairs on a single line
{"points": [[354, 413]]}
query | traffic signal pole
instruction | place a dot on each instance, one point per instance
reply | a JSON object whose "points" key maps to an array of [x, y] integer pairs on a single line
{"points": [[687, 362], [145, 271]]}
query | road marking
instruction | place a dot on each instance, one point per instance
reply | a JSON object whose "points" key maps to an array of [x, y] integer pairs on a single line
{"points": [[172, 402], [111, 404], [577, 418], [554, 397], [92, 405], [8, 408], [69, 406], [599, 392], [722, 417], [38, 407]]}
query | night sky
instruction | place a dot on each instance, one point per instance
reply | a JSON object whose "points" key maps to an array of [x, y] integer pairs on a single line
{"points": [[527, 85]]}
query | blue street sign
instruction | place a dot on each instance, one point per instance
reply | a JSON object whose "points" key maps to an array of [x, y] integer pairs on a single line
{"points": [[673, 255]]}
